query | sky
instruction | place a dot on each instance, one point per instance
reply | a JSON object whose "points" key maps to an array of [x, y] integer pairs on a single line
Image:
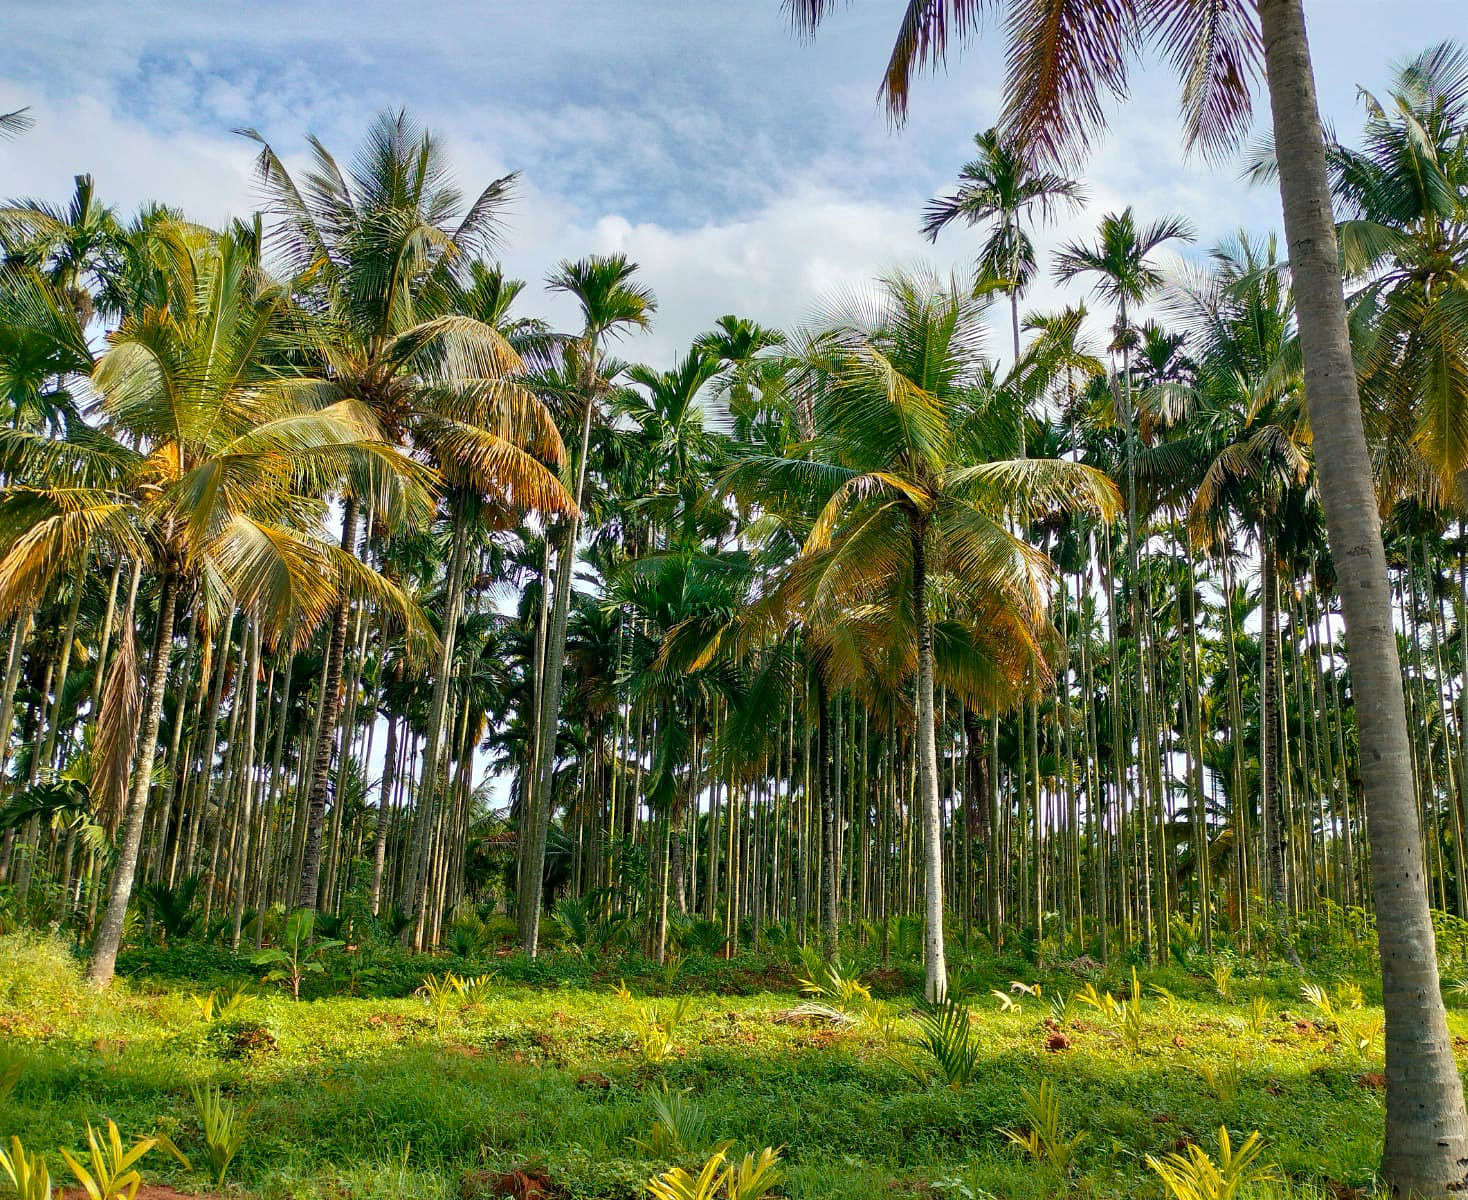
{"points": [[746, 170]]}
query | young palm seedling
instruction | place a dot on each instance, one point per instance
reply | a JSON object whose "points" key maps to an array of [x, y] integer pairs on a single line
{"points": [[1319, 999], [110, 1172], [753, 1177], [1063, 1008], [1259, 1013], [836, 996], [221, 1004], [1223, 979], [1195, 1176], [29, 1176], [657, 1035], [1043, 1140], [1131, 1016], [443, 993], [1127, 1015], [946, 1033], [223, 1127], [680, 1126], [297, 955], [1222, 1079]]}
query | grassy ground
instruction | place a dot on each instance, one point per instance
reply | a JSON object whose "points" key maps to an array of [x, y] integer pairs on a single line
{"points": [[354, 1097]]}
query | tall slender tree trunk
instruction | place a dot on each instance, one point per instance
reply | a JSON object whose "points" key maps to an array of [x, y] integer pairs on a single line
{"points": [[331, 707], [1426, 1146], [109, 931], [68, 637], [434, 750], [830, 933], [240, 869], [532, 839], [935, 969], [1271, 793], [19, 630], [384, 812]]}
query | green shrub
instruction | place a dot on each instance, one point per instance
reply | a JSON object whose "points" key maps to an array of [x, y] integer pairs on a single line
{"points": [[42, 979]]}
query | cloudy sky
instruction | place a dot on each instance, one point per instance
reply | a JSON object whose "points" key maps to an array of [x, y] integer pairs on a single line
{"points": [[745, 170]]}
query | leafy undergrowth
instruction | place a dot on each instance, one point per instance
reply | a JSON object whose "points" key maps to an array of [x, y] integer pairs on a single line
{"points": [[563, 1081]]}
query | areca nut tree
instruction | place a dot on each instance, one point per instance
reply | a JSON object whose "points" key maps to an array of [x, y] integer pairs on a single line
{"points": [[911, 523], [386, 248], [611, 302], [1063, 62]]}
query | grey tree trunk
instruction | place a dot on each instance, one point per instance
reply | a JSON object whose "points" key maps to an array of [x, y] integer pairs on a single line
{"points": [[109, 930], [19, 631], [531, 864], [935, 968], [240, 870], [384, 812], [331, 707], [829, 859], [1271, 793], [1426, 1146], [434, 750]]}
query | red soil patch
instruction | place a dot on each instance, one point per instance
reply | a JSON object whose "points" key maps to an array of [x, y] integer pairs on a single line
{"points": [[149, 1191]]}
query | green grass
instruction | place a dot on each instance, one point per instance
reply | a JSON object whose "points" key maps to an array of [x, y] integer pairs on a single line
{"points": [[353, 1096]]}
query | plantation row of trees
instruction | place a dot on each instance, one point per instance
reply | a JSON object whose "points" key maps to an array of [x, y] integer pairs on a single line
{"points": [[840, 624]]}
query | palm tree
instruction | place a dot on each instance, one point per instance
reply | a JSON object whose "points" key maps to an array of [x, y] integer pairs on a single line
{"points": [[1001, 188], [205, 471], [910, 534], [1058, 73], [611, 303], [1247, 446], [1426, 1126], [1120, 261], [1405, 239], [384, 249], [15, 123]]}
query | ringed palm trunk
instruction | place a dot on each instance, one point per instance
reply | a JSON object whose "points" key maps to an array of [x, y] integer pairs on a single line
{"points": [[935, 969], [331, 707], [1277, 850], [532, 850], [1426, 1146], [19, 631], [433, 753], [830, 934], [384, 812], [109, 931]]}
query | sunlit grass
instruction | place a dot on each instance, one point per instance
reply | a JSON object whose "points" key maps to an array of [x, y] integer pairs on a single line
{"points": [[362, 1096]]}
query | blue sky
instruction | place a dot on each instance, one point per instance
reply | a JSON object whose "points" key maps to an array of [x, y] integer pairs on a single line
{"points": [[744, 169]]}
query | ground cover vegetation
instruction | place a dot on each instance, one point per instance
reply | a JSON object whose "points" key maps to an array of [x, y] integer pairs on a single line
{"points": [[946, 746]]}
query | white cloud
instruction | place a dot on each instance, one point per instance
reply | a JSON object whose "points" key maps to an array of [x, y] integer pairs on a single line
{"points": [[746, 172]]}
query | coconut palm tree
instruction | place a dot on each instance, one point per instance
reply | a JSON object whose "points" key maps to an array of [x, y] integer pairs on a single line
{"points": [[384, 250], [910, 527], [204, 469], [611, 303], [1426, 1125], [1059, 72]]}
